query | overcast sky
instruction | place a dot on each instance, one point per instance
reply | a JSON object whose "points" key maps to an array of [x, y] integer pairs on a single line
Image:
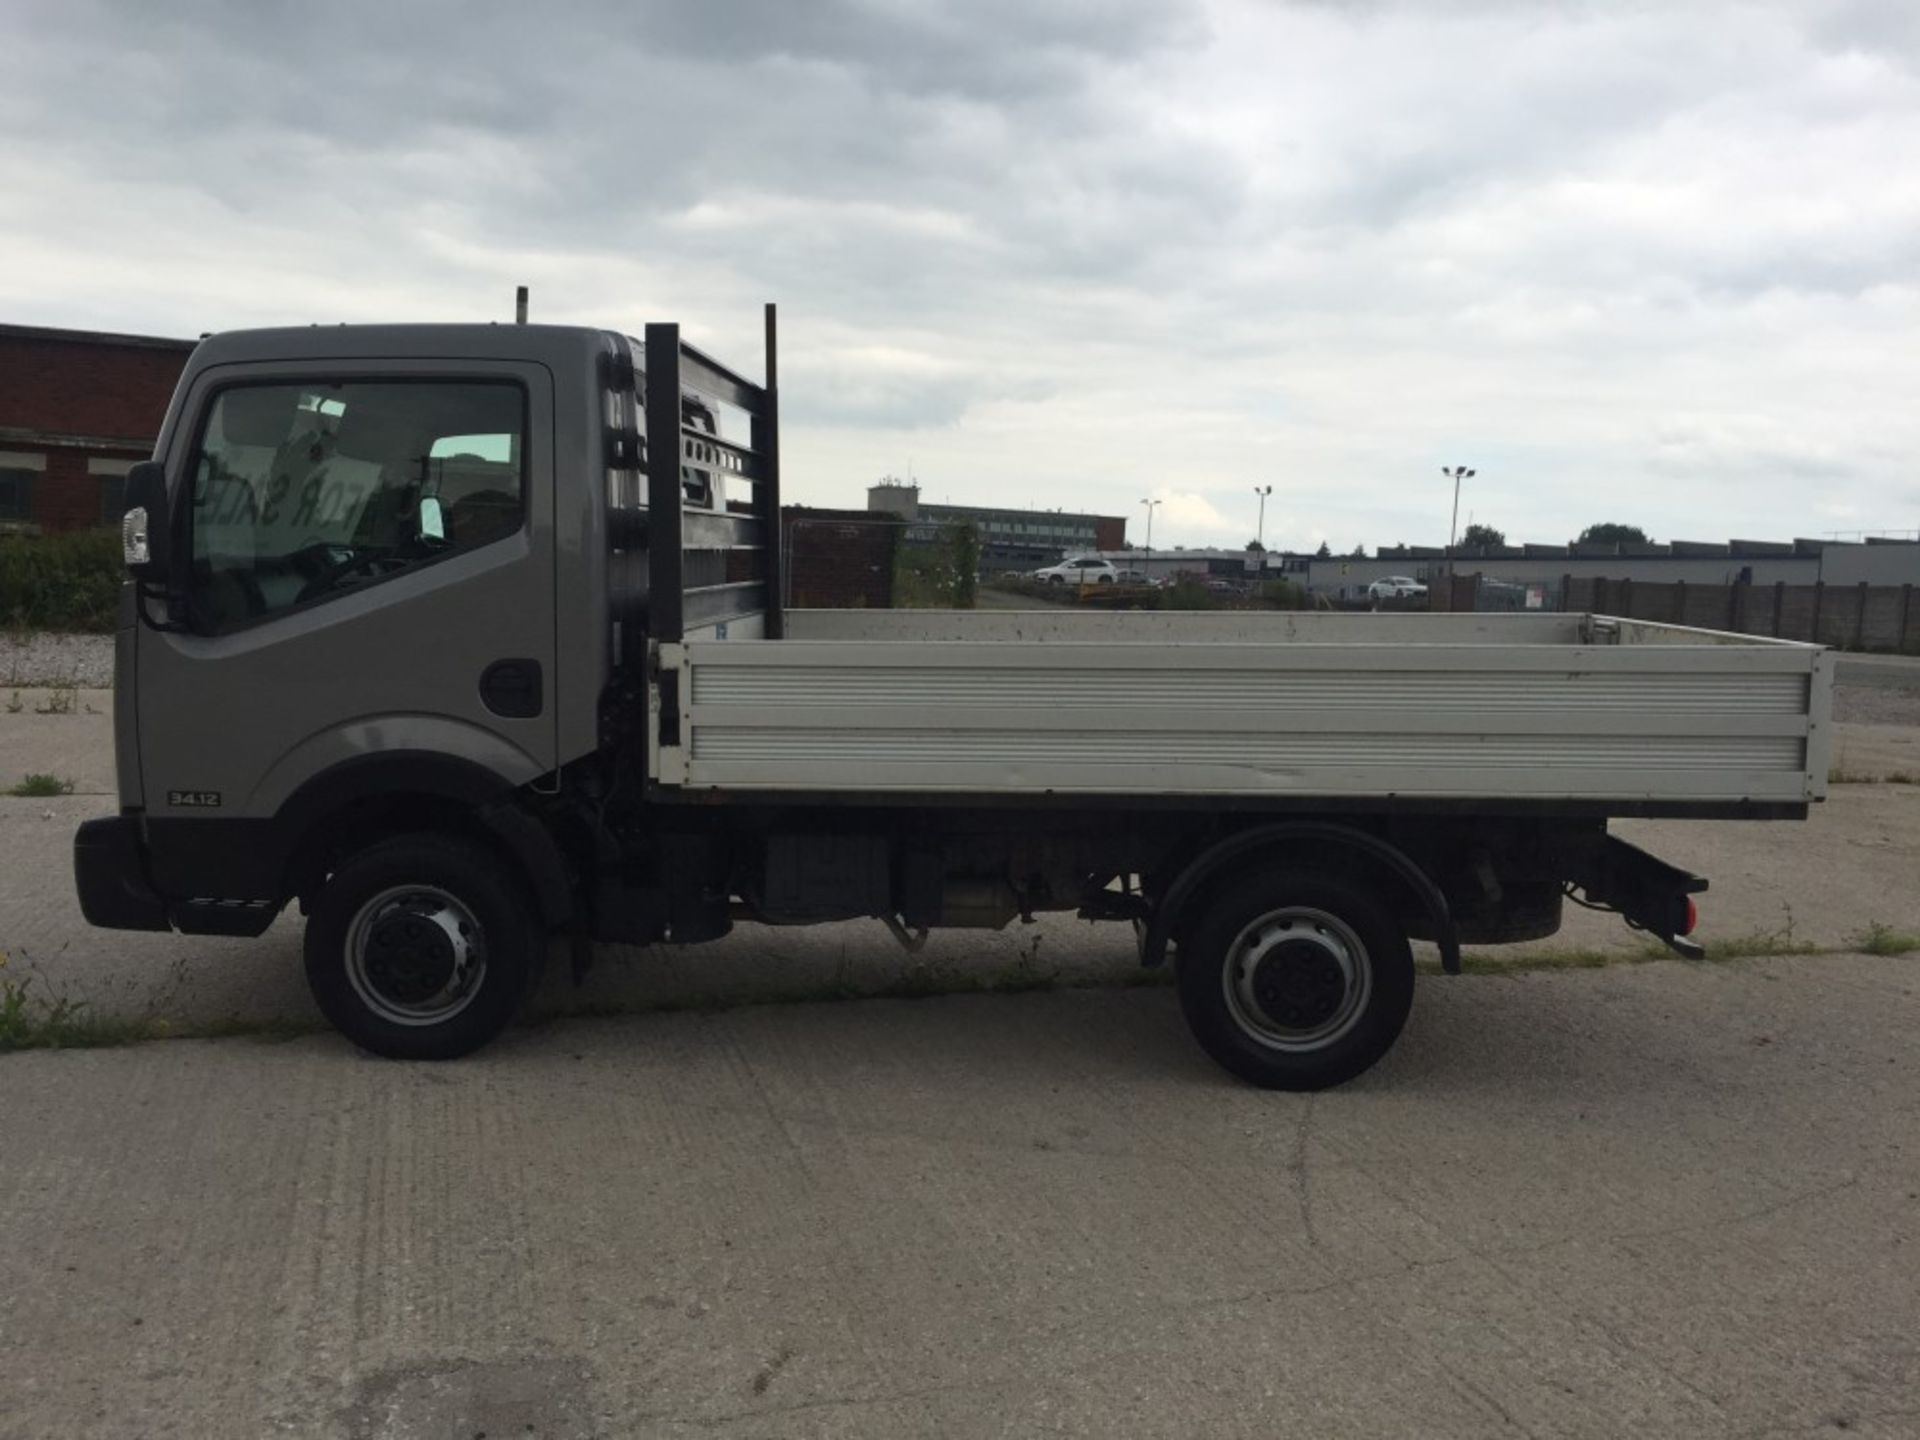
{"points": [[1655, 263]]}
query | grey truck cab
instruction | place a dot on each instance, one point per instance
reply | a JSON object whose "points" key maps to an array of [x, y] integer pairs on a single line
{"points": [[467, 639]]}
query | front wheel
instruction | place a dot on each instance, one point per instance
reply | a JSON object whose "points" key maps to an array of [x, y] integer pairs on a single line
{"points": [[1296, 982], [423, 947]]}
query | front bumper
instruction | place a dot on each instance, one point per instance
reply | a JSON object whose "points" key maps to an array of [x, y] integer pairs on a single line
{"points": [[110, 873]]}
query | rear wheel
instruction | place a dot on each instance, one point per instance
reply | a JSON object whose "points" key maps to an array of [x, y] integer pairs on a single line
{"points": [[1296, 982], [423, 947]]}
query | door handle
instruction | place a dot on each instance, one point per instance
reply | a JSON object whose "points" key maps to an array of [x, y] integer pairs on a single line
{"points": [[511, 688]]}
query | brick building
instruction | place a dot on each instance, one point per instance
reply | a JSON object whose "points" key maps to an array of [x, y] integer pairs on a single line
{"points": [[77, 409], [838, 559]]}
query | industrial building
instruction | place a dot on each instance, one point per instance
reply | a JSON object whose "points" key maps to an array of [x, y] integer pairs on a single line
{"points": [[1010, 539], [77, 409]]}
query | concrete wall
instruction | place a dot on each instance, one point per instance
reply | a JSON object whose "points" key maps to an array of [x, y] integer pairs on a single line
{"points": [[1350, 578], [1891, 563]]}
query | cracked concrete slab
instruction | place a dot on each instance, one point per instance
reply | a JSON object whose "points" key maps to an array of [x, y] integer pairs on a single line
{"points": [[1660, 1199]]}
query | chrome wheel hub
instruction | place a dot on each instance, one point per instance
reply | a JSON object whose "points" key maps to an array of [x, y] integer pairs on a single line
{"points": [[1297, 978], [415, 955]]}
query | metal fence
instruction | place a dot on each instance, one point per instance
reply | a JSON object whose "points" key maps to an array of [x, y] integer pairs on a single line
{"points": [[1848, 617]]}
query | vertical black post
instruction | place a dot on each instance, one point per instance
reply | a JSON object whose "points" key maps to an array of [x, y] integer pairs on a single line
{"points": [[767, 441], [666, 590]]}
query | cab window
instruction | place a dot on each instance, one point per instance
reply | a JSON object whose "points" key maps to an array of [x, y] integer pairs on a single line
{"points": [[302, 492]]}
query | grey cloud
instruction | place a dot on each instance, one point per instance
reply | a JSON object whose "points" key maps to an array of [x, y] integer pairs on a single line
{"points": [[1359, 233]]}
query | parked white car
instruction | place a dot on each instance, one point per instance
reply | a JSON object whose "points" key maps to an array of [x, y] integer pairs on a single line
{"points": [[1396, 587], [1087, 570]]}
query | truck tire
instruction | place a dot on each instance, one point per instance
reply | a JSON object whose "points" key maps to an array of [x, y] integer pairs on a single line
{"points": [[1296, 982], [423, 947]]}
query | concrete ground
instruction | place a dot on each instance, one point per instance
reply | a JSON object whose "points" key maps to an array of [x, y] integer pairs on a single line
{"points": [[1644, 1200], [1664, 1199]]}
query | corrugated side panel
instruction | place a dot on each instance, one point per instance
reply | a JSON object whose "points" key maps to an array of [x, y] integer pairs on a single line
{"points": [[1624, 753], [1523, 721], [781, 687]]}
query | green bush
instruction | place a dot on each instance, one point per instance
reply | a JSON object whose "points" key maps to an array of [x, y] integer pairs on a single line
{"points": [[939, 575], [1189, 594], [966, 566], [1285, 595], [60, 582], [1028, 586]]}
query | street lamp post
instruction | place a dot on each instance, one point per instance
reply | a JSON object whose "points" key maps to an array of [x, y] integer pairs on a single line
{"points": [[1457, 473], [1260, 530], [1151, 505]]}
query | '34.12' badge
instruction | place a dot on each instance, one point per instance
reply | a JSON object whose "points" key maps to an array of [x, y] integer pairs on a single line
{"points": [[194, 799]]}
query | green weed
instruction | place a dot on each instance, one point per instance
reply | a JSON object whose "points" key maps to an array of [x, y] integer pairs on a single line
{"points": [[1878, 939], [1838, 776], [28, 1022], [1759, 944], [33, 786]]}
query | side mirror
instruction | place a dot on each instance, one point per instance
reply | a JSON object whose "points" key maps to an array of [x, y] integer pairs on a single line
{"points": [[433, 524], [145, 528]]}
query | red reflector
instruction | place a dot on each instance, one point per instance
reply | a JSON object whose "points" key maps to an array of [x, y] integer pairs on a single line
{"points": [[1693, 917]]}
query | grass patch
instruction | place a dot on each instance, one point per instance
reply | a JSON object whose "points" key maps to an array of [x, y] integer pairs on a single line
{"points": [[1483, 962], [34, 786], [1878, 939], [1838, 776], [1760, 944]]}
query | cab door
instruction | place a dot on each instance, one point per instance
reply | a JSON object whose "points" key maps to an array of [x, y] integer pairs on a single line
{"points": [[364, 566]]}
